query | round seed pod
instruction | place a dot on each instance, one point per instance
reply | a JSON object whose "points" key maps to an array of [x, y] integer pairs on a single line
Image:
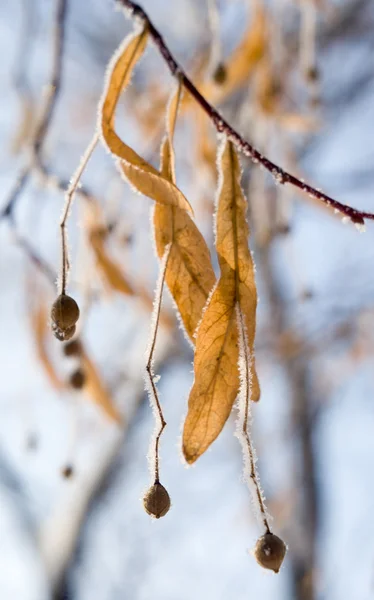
{"points": [[77, 379], [65, 312], [63, 334], [67, 472], [312, 74], [156, 501], [270, 551], [73, 348], [220, 74]]}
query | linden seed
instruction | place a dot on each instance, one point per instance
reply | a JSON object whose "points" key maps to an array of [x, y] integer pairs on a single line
{"points": [[73, 348], [65, 312], [67, 472], [220, 74], [312, 74], [156, 501], [77, 379], [270, 551]]}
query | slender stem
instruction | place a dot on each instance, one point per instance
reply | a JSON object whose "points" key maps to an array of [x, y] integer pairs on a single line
{"points": [[74, 182], [244, 419], [222, 126], [151, 386]]}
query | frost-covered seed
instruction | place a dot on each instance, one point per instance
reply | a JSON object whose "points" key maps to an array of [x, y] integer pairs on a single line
{"points": [[156, 501], [270, 551], [65, 312]]}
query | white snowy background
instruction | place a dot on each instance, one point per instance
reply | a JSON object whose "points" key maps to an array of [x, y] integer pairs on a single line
{"points": [[200, 550]]}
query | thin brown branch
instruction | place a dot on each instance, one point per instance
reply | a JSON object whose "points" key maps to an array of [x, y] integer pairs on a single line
{"points": [[222, 126]]}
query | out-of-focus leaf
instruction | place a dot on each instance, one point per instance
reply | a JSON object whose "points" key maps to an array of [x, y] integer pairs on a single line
{"points": [[109, 269], [216, 381], [299, 123], [244, 59], [42, 335], [96, 390]]}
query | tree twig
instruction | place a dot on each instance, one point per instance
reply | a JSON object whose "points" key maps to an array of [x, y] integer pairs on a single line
{"points": [[68, 202], [222, 126], [47, 112]]}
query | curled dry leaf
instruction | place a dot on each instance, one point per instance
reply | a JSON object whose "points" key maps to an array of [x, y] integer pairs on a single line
{"points": [[141, 175], [216, 381], [189, 275]]}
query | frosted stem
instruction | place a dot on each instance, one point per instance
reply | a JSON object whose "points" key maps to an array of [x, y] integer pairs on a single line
{"points": [[243, 423], [69, 196], [149, 376]]}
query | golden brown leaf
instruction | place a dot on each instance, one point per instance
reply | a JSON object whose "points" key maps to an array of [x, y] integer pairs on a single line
{"points": [[96, 389], [42, 335], [142, 175], [110, 270], [299, 123], [96, 233], [216, 357], [189, 275], [267, 86]]}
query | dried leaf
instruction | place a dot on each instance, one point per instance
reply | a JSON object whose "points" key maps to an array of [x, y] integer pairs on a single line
{"points": [[96, 233], [298, 123], [189, 275], [267, 86], [142, 175], [96, 389], [216, 381], [110, 270], [42, 335]]}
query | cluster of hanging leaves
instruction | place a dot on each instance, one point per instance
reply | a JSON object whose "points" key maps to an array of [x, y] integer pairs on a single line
{"points": [[217, 350], [219, 317]]}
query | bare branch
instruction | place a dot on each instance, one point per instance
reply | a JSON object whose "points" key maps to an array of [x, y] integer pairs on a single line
{"points": [[222, 126], [68, 201]]}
